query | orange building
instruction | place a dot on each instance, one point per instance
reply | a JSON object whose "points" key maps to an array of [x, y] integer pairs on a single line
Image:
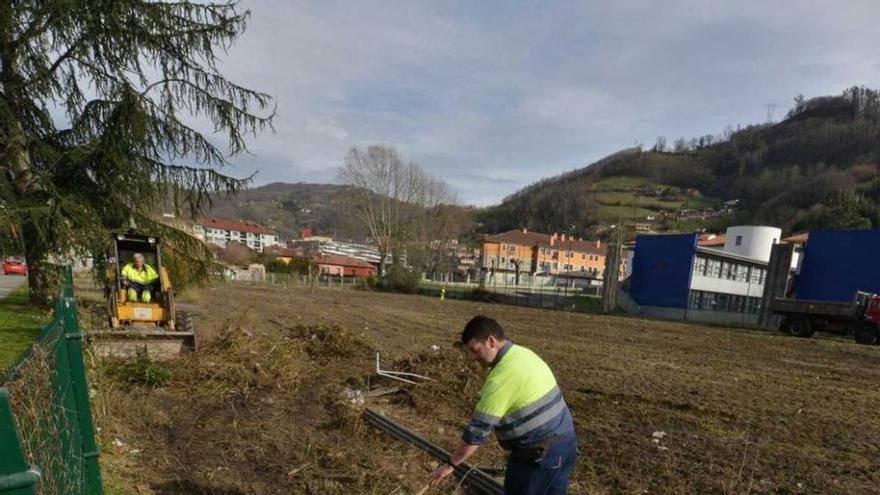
{"points": [[525, 252]]}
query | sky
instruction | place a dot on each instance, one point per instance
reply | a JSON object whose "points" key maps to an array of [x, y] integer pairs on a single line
{"points": [[494, 95]]}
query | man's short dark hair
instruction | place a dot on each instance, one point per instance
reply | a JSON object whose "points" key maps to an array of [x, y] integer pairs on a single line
{"points": [[480, 328]]}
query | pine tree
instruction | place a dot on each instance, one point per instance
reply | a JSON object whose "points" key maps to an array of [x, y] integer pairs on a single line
{"points": [[97, 104]]}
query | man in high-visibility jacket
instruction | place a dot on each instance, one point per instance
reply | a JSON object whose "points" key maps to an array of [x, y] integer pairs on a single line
{"points": [[521, 402], [138, 277]]}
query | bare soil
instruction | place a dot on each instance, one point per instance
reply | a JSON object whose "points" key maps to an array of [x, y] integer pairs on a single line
{"points": [[269, 404]]}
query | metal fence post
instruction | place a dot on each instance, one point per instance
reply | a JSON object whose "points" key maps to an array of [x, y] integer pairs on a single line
{"points": [[76, 373], [16, 477]]}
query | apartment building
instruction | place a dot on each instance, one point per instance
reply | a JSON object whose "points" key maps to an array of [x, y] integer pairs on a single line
{"points": [[220, 231], [525, 254]]}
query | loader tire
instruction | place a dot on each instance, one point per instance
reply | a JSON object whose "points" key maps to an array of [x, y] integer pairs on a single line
{"points": [[800, 327], [866, 333]]}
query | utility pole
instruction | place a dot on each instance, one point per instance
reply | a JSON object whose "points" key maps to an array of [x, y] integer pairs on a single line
{"points": [[771, 109]]}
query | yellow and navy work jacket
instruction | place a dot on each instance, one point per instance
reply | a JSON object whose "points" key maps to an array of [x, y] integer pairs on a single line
{"points": [[143, 277], [520, 401]]}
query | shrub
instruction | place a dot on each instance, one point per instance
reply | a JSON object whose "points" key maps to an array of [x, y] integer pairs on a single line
{"points": [[401, 279], [142, 371]]}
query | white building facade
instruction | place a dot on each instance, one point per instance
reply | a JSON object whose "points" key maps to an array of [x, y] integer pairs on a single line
{"points": [[220, 231]]}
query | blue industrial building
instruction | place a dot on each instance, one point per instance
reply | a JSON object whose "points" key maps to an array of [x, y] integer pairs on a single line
{"points": [[674, 277], [838, 263]]}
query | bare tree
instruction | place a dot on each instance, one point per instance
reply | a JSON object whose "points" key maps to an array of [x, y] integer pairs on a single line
{"points": [[401, 205], [660, 145]]}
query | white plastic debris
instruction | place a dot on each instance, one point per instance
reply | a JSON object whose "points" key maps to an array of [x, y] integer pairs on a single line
{"points": [[658, 434], [435, 347], [118, 443], [353, 396], [397, 375]]}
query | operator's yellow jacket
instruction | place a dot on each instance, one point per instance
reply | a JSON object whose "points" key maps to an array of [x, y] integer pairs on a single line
{"points": [[144, 277]]}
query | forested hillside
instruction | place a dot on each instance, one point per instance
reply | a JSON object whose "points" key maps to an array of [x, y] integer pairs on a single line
{"points": [[290, 207], [818, 168]]}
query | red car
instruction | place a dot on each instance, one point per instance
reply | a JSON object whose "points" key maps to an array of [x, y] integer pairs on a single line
{"points": [[14, 267]]}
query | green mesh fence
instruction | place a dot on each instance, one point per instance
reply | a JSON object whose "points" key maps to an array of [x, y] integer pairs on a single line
{"points": [[47, 440]]}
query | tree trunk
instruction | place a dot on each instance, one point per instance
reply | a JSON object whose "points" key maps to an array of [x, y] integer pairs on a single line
{"points": [[35, 244], [382, 254], [39, 271]]}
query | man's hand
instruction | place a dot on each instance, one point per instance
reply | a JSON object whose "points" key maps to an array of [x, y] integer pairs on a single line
{"points": [[441, 473]]}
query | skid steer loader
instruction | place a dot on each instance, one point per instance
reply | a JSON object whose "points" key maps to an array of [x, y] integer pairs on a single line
{"points": [[155, 328]]}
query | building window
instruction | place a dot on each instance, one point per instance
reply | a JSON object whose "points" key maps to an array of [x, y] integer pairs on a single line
{"points": [[700, 264], [695, 299], [739, 240], [584, 256]]}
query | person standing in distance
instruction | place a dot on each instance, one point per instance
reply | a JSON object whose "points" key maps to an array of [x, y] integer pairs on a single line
{"points": [[521, 403]]}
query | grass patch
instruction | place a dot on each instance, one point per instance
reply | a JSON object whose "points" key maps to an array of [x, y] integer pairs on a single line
{"points": [[142, 371], [702, 203], [19, 325], [623, 183], [622, 198]]}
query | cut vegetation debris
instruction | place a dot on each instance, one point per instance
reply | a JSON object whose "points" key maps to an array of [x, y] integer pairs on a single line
{"points": [[273, 402]]}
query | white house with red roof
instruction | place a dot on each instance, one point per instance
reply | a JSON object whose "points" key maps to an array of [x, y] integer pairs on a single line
{"points": [[219, 231]]}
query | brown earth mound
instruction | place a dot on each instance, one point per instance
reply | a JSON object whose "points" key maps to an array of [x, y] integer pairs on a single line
{"points": [[274, 410]]}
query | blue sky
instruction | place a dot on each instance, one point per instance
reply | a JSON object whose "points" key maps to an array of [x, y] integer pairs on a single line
{"points": [[494, 95]]}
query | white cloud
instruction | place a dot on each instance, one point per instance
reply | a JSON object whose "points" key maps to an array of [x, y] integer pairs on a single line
{"points": [[494, 95]]}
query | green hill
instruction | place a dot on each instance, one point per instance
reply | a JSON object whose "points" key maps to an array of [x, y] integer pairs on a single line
{"points": [[816, 169], [290, 207]]}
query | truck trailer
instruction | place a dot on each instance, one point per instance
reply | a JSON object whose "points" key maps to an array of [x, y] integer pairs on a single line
{"points": [[859, 318]]}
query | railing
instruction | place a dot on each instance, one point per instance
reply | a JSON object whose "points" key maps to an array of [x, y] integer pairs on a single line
{"points": [[47, 440]]}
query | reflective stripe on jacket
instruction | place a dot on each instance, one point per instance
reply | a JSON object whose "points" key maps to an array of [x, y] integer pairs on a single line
{"points": [[520, 401], [143, 277]]}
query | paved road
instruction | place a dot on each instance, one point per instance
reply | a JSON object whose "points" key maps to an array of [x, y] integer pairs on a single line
{"points": [[8, 283]]}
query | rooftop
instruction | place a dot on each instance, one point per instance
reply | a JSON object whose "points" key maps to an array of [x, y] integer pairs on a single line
{"points": [[537, 239], [332, 259], [521, 237], [728, 254], [711, 240], [797, 238], [235, 225]]}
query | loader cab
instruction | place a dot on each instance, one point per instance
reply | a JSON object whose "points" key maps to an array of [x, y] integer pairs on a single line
{"points": [[159, 311], [124, 249], [155, 328]]}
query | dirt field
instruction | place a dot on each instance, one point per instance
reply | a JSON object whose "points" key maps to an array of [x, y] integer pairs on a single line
{"points": [[269, 404]]}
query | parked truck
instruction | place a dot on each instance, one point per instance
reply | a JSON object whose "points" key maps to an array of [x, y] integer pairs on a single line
{"points": [[859, 318]]}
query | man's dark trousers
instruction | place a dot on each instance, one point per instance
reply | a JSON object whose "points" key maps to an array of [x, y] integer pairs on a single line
{"points": [[546, 476]]}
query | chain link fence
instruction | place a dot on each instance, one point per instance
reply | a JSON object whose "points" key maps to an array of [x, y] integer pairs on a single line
{"points": [[47, 439]]}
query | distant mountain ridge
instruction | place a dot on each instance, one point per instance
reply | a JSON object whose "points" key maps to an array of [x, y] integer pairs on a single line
{"points": [[816, 169], [287, 208]]}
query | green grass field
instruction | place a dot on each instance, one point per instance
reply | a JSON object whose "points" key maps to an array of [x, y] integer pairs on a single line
{"points": [[19, 325], [624, 198], [622, 183]]}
